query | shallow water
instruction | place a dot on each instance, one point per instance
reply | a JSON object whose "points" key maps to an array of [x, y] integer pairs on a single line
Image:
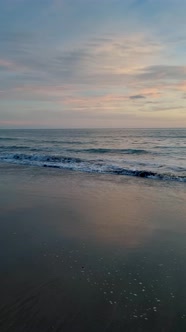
{"points": [[87, 252], [152, 153]]}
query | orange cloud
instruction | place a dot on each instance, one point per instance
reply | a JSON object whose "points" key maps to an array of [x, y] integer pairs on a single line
{"points": [[181, 86]]}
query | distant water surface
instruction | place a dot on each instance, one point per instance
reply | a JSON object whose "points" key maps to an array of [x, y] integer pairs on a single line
{"points": [[150, 153]]}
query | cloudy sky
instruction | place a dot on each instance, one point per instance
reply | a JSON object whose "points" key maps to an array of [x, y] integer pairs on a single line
{"points": [[92, 63]]}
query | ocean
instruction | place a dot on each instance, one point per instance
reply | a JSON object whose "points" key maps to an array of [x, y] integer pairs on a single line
{"points": [[151, 153]]}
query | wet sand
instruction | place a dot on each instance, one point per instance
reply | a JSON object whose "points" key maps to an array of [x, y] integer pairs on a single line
{"points": [[83, 252]]}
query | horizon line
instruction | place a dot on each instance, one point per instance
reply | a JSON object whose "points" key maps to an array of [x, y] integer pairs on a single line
{"points": [[91, 128]]}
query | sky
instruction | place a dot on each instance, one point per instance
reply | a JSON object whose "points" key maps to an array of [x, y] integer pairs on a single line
{"points": [[92, 63]]}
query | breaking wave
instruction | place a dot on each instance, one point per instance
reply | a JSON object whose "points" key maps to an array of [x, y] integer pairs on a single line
{"points": [[84, 165]]}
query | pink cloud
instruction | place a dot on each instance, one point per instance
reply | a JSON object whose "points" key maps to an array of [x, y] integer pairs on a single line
{"points": [[10, 65], [151, 92], [6, 64], [46, 90]]}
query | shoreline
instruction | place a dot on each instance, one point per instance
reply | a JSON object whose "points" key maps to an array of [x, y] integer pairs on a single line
{"points": [[121, 172]]}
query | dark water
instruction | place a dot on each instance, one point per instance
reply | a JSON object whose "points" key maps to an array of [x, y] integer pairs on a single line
{"points": [[91, 252], [150, 153]]}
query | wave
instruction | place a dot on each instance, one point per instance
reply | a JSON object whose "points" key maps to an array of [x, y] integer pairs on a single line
{"points": [[8, 138], [17, 147], [170, 147], [83, 165], [63, 142], [110, 151], [90, 150], [39, 158], [38, 139]]}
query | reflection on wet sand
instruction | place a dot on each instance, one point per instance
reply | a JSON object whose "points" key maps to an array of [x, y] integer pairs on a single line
{"points": [[86, 254]]}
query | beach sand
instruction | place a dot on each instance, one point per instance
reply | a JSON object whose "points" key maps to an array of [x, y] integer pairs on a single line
{"points": [[89, 252]]}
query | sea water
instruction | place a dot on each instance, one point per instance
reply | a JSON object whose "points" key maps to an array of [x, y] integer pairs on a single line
{"points": [[151, 153]]}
